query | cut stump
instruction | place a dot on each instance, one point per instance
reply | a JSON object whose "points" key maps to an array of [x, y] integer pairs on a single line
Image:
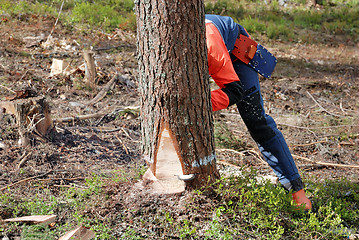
{"points": [[90, 68], [32, 115]]}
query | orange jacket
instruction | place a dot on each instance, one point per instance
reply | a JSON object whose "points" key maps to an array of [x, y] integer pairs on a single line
{"points": [[219, 65]]}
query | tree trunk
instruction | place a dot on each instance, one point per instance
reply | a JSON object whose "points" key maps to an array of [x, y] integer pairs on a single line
{"points": [[173, 74]]}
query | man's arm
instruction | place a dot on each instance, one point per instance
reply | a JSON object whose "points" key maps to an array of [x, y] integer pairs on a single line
{"points": [[221, 70]]}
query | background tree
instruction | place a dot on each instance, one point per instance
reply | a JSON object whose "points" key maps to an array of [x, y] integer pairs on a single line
{"points": [[173, 78]]}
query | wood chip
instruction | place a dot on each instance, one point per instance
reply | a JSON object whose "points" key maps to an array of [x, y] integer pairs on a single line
{"points": [[80, 233], [37, 219]]}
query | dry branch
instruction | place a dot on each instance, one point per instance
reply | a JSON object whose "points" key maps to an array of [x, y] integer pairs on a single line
{"points": [[326, 164], [57, 179], [250, 151], [104, 90], [77, 118], [88, 116], [322, 108], [123, 145], [307, 144], [57, 19], [23, 159], [7, 89], [23, 180], [229, 164]]}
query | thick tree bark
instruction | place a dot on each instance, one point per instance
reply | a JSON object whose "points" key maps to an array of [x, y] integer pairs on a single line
{"points": [[173, 76]]}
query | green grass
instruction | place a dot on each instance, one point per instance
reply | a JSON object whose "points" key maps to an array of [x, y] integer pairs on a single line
{"points": [[285, 23], [272, 20], [45, 201], [105, 14], [231, 208]]}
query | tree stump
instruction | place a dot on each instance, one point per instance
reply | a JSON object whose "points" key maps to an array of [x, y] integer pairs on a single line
{"points": [[90, 68], [32, 116]]}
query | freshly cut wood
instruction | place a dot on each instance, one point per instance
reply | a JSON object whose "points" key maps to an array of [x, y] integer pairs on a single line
{"points": [[80, 233], [164, 176], [58, 66], [44, 219], [32, 114]]}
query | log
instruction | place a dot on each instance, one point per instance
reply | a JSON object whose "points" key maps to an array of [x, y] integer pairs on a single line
{"points": [[32, 115]]}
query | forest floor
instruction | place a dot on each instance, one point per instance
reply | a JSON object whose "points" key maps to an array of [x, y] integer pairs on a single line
{"points": [[313, 96]]}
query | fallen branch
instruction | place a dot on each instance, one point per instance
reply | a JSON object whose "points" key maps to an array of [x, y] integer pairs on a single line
{"points": [[309, 128], [103, 130], [23, 180], [57, 179], [229, 164], [126, 133], [256, 155], [57, 19], [242, 153], [8, 89], [104, 90], [326, 164], [23, 76], [230, 150], [112, 47], [88, 116], [307, 144], [122, 144], [310, 166], [323, 109], [23, 159], [77, 118], [293, 126]]}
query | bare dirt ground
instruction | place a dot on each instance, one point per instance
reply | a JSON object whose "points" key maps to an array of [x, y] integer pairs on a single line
{"points": [[313, 95]]}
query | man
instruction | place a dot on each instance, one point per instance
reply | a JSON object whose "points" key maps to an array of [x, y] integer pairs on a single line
{"points": [[233, 62]]}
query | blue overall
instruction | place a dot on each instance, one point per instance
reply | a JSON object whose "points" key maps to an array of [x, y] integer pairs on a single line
{"points": [[261, 126]]}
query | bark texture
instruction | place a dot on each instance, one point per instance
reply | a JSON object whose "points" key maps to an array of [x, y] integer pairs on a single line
{"points": [[174, 87]]}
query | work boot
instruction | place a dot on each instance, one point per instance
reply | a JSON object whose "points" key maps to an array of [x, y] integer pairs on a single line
{"points": [[300, 198]]}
